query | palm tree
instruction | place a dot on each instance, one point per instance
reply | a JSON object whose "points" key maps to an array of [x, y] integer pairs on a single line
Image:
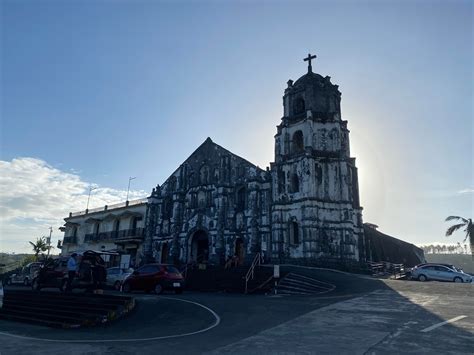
{"points": [[39, 246], [468, 229]]}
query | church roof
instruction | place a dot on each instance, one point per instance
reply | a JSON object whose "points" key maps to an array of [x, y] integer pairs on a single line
{"points": [[309, 78], [211, 152]]}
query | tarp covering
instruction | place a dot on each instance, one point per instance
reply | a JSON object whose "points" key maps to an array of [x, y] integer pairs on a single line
{"points": [[382, 247]]}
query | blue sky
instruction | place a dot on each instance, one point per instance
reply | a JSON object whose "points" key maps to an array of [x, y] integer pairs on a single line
{"points": [[96, 91]]}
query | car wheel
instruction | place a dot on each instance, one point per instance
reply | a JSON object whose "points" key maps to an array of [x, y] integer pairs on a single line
{"points": [[457, 279], [117, 285], [35, 285], [126, 288], [158, 289], [178, 291], [422, 278]]}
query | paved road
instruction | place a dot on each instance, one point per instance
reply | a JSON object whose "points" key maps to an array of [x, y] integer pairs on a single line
{"points": [[361, 316]]}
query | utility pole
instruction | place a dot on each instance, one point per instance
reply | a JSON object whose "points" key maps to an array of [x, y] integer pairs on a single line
{"points": [[48, 240], [88, 199], [128, 189]]}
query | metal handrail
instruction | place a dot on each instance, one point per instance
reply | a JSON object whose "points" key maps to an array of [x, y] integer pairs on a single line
{"points": [[257, 260]]}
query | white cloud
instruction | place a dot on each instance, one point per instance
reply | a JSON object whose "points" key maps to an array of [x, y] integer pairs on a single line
{"points": [[466, 191], [34, 195]]}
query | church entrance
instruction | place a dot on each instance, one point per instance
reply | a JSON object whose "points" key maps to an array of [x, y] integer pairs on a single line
{"points": [[200, 247], [164, 253], [240, 250]]}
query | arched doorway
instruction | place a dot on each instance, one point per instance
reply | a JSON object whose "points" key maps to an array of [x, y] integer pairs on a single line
{"points": [[240, 250], [164, 253], [200, 247]]}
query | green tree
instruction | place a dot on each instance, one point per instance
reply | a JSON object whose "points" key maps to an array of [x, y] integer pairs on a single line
{"points": [[40, 246], [468, 229]]}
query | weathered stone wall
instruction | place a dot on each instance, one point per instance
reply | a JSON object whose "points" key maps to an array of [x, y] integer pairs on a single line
{"points": [[217, 194]]}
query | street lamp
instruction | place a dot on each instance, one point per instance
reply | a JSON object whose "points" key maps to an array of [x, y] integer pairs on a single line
{"points": [[128, 189]]}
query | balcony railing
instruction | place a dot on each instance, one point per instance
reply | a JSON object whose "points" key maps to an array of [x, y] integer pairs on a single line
{"points": [[109, 207], [70, 240], [114, 235]]}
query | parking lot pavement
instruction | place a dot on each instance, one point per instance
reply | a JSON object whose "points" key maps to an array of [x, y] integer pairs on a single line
{"points": [[404, 317], [389, 317]]}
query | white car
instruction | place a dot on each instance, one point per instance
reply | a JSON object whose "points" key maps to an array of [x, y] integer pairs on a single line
{"points": [[25, 276], [439, 273], [116, 276]]}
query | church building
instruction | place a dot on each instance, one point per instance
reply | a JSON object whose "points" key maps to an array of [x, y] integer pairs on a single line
{"points": [[304, 208]]}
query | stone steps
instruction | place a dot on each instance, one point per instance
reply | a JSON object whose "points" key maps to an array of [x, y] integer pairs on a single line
{"points": [[294, 284], [54, 309]]}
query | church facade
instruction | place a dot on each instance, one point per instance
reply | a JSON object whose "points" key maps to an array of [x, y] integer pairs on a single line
{"points": [[304, 207]]}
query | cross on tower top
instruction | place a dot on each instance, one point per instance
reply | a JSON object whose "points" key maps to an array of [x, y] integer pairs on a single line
{"points": [[308, 59]]}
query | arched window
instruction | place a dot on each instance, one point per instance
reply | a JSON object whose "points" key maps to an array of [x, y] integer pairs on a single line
{"points": [[74, 232], [97, 228], [295, 183], [202, 200], [297, 142], [281, 181], [299, 106], [241, 194], [117, 225], [204, 175], [294, 233], [135, 222], [168, 208]]}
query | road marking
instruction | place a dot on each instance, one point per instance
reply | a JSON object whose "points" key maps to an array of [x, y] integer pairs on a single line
{"points": [[215, 324], [452, 320]]}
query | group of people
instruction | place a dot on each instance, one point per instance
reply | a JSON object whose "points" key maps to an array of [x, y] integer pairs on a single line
{"points": [[85, 270]]}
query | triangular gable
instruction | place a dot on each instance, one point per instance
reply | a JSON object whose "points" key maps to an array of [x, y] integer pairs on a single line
{"points": [[211, 152]]}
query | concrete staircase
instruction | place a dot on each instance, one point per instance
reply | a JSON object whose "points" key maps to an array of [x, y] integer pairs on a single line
{"points": [[60, 310], [294, 284]]}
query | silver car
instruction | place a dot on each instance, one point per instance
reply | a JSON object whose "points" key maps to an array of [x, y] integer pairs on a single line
{"points": [[116, 276], [439, 273]]}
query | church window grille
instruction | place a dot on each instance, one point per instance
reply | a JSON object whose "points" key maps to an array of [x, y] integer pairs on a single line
{"points": [[297, 142], [295, 183], [294, 233]]}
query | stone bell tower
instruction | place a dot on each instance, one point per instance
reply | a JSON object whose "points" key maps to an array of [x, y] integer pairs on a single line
{"points": [[316, 212]]}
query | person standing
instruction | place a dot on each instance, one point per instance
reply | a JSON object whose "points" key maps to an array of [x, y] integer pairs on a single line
{"points": [[71, 271]]}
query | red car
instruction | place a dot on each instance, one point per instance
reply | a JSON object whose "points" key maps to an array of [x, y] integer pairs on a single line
{"points": [[155, 277]]}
